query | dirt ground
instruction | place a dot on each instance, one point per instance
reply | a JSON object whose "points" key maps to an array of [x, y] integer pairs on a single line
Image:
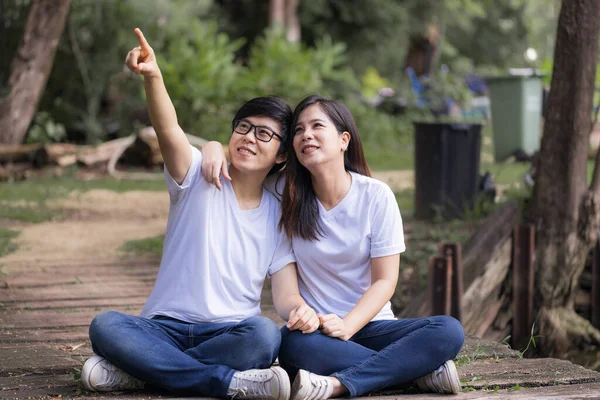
{"points": [[99, 222]]}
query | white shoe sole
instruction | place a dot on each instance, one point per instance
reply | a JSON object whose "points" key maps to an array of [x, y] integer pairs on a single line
{"points": [[86, 371], [302, 379], [284, 379], [452, 374]]}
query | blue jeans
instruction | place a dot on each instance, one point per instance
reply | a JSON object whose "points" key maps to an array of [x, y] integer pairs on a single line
{"points": [[180, 357], [381, 355]]}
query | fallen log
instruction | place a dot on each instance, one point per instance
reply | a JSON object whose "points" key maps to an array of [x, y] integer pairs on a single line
{"points": [[477, 253], [61, 154], [146, 151], [14, 171], [18, 152], [90, 156], [482, 300]]}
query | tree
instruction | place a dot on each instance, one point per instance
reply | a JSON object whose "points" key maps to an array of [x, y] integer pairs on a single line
{"points": [[31, 67], [566, 212], [284, 14]]}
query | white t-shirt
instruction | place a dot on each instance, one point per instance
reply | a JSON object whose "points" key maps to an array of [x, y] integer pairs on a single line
{"points": [[335, 271], [215, 255]]}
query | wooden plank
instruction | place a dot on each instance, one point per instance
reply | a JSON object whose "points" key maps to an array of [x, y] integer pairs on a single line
{"points": [[454, 251], [595, 295], [70, 292], [38, 280], [482, 296], [440, 285], [54, 319], [17, 152], [523, 281], [71, 334], [20, 266], [77, 303]]}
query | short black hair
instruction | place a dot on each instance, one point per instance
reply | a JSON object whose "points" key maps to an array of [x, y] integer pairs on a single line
{"points": [[271, 107]]}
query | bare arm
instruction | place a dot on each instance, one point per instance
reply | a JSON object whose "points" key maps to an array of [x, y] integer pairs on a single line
{"points": [[214, 162], [174, 146], [289, 304], [384, 277]]}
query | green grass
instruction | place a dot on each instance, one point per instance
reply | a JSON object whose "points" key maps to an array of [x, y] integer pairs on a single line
{"points": [[28, 200], [34, 213], [149, 246], [6, 244], [51, 188]]}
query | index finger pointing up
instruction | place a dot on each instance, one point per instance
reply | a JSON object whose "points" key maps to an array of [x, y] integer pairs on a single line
{"points": [[143, 43]]}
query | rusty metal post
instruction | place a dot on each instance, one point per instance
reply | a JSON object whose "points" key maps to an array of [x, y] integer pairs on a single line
{"points": [[440, 285], [454, 251], [523, 281], [595, 306]]}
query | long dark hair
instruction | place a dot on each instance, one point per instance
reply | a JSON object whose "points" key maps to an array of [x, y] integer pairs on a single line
{"points": [[299, 208], [272, 107]]}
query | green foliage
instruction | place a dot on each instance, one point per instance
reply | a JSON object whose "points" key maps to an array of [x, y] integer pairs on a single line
{"points": [[199, 71], [99, 97], [292, 71], [207, 87], [387, 140], [13, 16], [44, 130], [372, 82]]}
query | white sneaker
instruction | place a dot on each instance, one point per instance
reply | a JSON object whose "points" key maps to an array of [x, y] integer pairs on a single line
{"points": [[260, 384], [98, 375], [443, 380], [309, 386]]}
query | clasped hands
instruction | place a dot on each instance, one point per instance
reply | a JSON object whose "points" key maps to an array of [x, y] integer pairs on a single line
{"points": [[306, 320]]}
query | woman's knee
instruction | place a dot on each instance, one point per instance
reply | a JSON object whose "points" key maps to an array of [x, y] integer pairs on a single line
{"points": [[452, 334], [294, 342]]}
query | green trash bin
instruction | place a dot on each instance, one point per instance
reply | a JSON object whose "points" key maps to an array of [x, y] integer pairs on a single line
{"points": [[516, 105]]}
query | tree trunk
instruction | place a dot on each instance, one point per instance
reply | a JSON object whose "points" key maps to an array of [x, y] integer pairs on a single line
{"points": [[565, 211], [292, 22], [422, 52], [31, 67], [283, 14], [277, 13]]}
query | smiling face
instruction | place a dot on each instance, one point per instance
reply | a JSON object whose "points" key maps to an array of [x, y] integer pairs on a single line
{"points": [[249, 155], [317, 141]]}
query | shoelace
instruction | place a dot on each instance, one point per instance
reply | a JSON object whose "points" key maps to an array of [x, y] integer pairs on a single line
{"points": [[116, 376], [320, 388], [251, 386]]}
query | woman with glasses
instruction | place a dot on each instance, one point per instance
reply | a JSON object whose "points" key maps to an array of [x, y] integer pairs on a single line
{"points": [[347, 236], [200, 332]]}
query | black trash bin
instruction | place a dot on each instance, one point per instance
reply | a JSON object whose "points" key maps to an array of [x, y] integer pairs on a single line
{"points": [[446, 168]]}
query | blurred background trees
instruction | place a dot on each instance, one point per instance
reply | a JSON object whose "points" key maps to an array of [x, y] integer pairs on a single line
{"points": [[217, 53]]}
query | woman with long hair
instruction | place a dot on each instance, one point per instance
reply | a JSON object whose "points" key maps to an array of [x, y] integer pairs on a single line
{"points": [[347, 237]]}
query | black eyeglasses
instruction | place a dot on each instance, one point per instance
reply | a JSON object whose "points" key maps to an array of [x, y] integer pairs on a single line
{"points": [[262, 133]]}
